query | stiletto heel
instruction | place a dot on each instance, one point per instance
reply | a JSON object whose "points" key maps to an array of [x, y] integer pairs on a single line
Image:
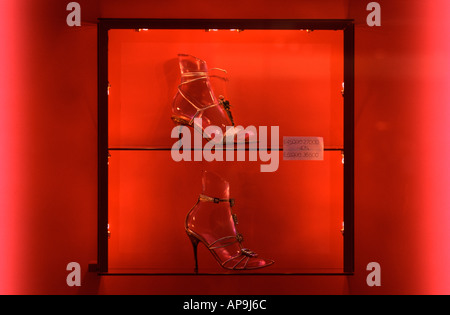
{"points": [[194, 241], [212, 223]]}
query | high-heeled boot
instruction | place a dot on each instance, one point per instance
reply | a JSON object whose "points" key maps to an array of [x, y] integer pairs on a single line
{"points": [[212, 223], [198, 97]]}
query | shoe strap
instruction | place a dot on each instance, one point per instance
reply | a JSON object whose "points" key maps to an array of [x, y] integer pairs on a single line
{"points": [[243, 254], [223, 242], [200, 75], [215, 200], [227, 240], [194, 74]]}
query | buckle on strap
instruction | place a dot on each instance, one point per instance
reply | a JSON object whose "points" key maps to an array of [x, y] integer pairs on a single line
{"points": [[215, 200]]}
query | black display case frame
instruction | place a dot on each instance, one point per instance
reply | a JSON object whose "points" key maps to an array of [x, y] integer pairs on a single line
{"points": [[345, 25]]}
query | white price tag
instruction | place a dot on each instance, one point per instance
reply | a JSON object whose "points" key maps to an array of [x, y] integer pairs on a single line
{"points": [[303, 148]]}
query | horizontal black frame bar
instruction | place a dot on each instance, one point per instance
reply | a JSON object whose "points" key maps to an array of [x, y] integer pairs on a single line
{"points": [[228, 274], [199, 149], [245, 24]]}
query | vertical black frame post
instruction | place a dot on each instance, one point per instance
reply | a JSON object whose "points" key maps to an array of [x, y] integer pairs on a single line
{"points": [[102, 111], [104, 25], [349, 146]]}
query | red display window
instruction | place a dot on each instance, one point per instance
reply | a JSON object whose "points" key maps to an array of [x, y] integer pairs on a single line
{"points": [[287, 74]]}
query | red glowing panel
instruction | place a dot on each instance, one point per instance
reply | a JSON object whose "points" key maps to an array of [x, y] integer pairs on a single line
{"points": [[289, 79]]}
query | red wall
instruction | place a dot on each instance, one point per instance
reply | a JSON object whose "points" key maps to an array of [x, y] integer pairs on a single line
{"points": [[48, 147]]}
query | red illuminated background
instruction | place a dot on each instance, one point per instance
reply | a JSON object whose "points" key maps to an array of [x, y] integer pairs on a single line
{"points": [[48, 122], [291, 79]]}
